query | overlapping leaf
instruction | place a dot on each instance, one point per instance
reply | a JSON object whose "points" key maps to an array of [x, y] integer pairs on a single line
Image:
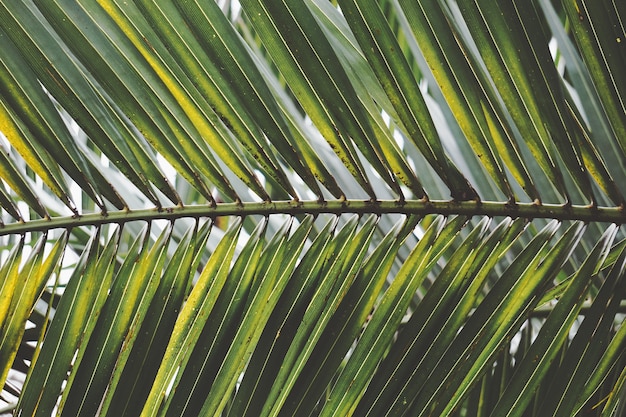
{"points": [[344, 154]]}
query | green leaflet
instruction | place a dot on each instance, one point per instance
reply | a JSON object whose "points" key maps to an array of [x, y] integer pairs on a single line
{"points": [[497, 316], [85, 296], [218, 37], [38, 159], [499, 53], [553, 333], [7, 203], [105, 126], [10, 174], [368, 90], [592, 158], [132, 290], [473, 105], [192, 318], [8, 286], [330, 101], [144, 344], [597, 37], [342, 268], [438, 316], [271, 276], [614, 404], [212, 76], [609, 363], [219, 330], [35, 272], [346, 323], [589, 354], [385, 56], [386, 318], [173, 118], [534, 55], [281, 328], [59, 73]]}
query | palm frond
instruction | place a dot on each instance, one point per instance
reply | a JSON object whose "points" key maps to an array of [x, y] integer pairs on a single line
{"points": [[304, 207]]}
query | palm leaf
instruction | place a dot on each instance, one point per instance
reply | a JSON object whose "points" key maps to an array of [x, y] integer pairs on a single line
{"points": [[304, 207]]}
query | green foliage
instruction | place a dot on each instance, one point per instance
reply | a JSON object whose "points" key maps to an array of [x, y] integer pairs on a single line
{"points": [[305, 207]]}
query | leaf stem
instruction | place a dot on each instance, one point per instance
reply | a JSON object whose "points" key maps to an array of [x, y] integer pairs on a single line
{"points": [[464, 208]]}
